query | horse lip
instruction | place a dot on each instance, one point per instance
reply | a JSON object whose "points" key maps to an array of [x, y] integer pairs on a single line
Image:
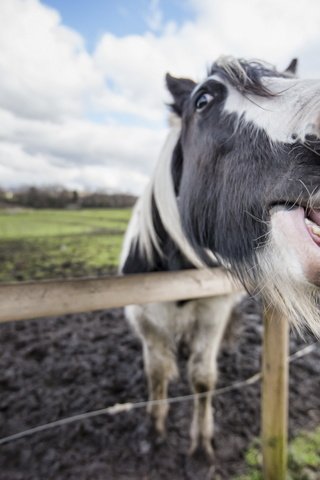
{"points": [[291, 232]]}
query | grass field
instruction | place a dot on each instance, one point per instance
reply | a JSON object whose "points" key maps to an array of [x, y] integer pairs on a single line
{"points": [[303, 459], [39, 244]]}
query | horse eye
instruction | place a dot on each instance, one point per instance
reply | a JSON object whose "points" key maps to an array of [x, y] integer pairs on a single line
{"points": [[203, 100]]}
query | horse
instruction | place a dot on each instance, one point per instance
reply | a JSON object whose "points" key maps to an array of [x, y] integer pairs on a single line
{"points": [[237, 185]]}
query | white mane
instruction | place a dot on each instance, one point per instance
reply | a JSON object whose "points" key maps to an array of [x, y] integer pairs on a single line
{"points": [[141, 227]]}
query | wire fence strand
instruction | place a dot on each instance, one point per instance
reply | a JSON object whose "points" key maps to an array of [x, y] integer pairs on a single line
{"points": [[128, 406]]}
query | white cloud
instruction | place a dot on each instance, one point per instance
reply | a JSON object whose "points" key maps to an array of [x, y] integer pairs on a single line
{"points": [[81, 142], [50, 86], [273, 30], [18, 167], [154, 16], [45, 71], [47, 81], [76, 152]]}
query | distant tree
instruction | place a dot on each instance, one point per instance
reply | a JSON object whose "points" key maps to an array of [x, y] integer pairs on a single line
{"points": [[75, 196], [57, 197]]}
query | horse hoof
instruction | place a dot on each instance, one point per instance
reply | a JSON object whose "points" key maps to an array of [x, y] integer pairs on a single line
{"points": [[205, 450]]}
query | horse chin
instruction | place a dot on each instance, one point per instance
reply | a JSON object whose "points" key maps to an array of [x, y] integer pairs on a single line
{"points": [[296, 233], [288, 273]]}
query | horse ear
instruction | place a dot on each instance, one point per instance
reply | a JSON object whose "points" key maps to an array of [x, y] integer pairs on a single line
{"points": [[180, 89], [292, 67]]}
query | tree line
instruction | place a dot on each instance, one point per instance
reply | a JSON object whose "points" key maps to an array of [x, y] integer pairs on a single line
{"points": [[56, 197]]}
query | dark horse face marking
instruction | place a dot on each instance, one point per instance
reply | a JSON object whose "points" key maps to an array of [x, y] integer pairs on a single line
{"points": [[248, 178]]}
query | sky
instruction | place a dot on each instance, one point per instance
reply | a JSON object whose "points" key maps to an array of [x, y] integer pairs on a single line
{"points": [[82, 93]]}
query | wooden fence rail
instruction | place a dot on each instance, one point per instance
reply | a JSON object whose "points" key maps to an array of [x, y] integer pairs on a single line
{"points": [[57, 297], [50, 298]]}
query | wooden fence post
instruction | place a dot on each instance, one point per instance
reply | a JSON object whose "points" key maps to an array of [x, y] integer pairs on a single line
{"points": [[275, 395]]}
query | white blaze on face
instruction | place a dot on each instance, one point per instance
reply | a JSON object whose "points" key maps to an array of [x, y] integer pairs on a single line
{"points": [[293, 110]]}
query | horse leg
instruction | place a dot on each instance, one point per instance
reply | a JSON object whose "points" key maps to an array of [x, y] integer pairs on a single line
{"points": [[159, 358], [212, 319], [161, 368]]}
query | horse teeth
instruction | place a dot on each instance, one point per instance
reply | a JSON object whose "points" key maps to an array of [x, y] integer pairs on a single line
{"points": [[316, 230], [313, 226], [310, 222]]}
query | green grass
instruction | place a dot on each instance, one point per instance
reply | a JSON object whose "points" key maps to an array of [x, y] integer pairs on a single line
{"points": [[38, 244], [44, 223], [303, 459]]}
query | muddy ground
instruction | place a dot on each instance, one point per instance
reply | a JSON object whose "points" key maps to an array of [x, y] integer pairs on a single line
{"points": [[57, 367]]}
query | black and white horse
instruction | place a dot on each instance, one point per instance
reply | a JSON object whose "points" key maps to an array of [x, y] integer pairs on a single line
{"points": [[237, 184]]}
